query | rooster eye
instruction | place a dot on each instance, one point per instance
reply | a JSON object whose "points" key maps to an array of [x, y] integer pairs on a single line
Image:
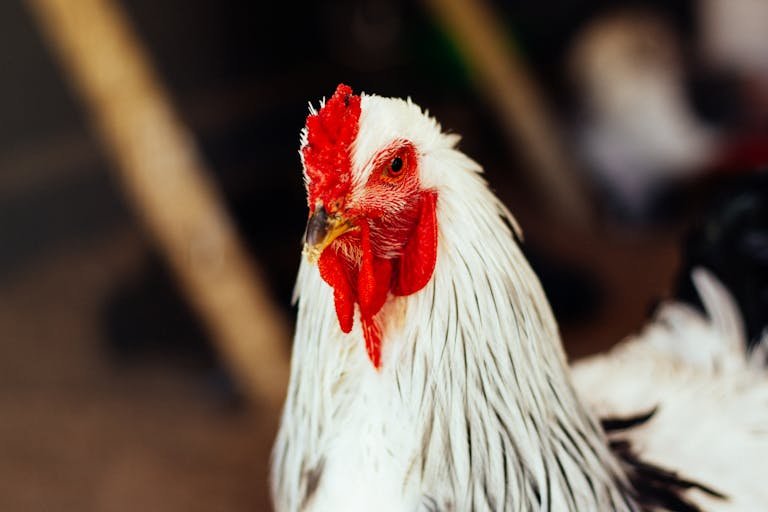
{"points": [[396, 166]]}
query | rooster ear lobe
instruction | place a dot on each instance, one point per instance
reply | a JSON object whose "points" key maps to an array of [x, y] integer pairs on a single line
{"points": [[415, 267]]}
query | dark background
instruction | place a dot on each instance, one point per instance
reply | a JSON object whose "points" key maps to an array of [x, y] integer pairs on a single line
{"points": [[111, 397]]}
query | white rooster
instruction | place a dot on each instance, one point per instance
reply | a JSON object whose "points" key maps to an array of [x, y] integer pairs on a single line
{"points": [[428, 372]]}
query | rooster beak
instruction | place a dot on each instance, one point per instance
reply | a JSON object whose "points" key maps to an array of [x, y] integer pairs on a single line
{"points": [[322, 230]]}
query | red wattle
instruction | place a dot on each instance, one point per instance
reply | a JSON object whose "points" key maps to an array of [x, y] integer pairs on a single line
{"points": [[374, 278], [373, 283], [336, 272], [415, 267]]}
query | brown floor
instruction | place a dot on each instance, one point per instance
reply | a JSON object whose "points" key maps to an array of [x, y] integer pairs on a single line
{"points": [[79, 434]]}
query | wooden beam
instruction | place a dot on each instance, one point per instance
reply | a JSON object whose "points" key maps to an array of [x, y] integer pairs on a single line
{"points": [[165, 179]]}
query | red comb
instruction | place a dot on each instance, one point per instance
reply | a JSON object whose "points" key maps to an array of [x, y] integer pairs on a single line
{"points": [[327, 153]]}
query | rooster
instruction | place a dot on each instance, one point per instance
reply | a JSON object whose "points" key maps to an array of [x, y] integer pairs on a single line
{"points": [[428, 372]]}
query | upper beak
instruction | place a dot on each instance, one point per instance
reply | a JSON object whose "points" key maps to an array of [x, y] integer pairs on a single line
{"points": [[322, 230]]}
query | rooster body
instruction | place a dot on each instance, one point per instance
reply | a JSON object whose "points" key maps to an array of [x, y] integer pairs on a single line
{"points": [[442, 385], [710, 396]]}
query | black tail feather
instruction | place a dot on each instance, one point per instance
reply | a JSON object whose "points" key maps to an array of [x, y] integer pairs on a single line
{"points": [[653, 487]]}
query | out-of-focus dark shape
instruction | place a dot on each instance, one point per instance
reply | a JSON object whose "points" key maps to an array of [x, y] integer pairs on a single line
{"points": [[168, 329], [572, 290], [731, 239], [636, 128], [145, 319], [364, 34]]}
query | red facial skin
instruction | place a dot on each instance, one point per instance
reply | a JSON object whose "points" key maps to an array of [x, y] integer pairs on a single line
{"points": [[394, 247]]}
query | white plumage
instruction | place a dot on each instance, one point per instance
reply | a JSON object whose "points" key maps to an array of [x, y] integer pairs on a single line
{"points": [[473, 407], [711, 421]]}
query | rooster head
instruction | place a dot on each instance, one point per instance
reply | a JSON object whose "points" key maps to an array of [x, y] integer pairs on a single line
{"points": [[372, 225]]}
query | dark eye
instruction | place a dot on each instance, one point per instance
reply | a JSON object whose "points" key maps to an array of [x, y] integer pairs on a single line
{"points": [[396, 166]]}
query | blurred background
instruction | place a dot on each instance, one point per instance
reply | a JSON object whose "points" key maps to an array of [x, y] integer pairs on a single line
{"points": [[606, 127]]}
